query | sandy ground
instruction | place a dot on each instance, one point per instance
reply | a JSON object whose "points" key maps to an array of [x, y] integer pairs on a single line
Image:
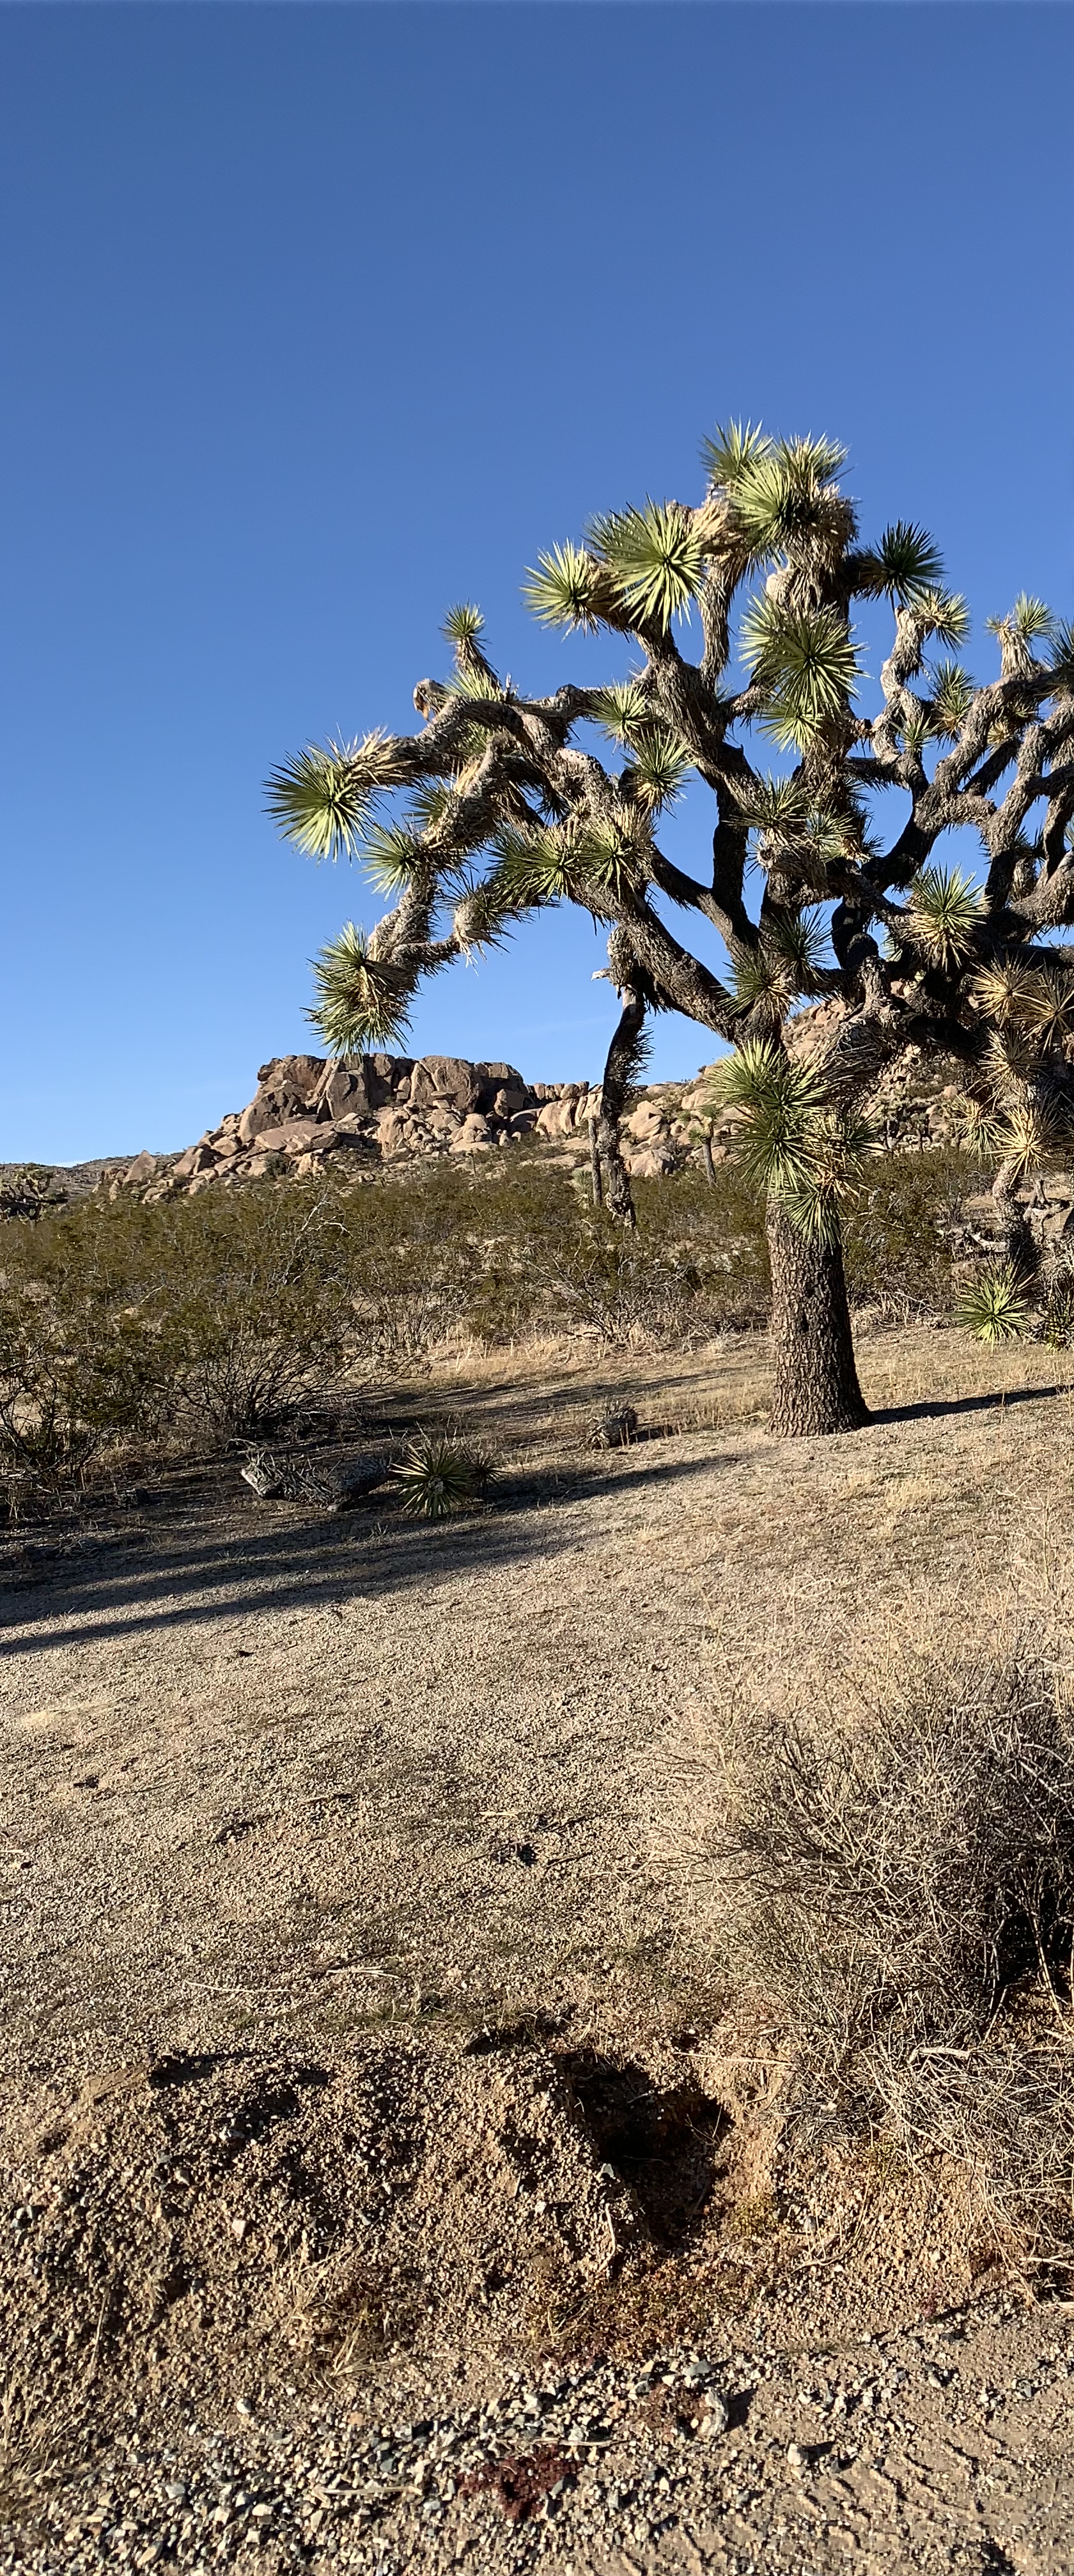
{"points": [[334, 1886]]}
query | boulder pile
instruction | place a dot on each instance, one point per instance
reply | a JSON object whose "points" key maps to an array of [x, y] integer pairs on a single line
{"points": [[383, 1108], [394, 1109]]}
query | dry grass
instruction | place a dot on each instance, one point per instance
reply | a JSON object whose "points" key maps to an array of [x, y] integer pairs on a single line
{"points": [[894, 1875]]}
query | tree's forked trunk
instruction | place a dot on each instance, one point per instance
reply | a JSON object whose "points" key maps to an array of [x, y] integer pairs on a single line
{"points": [[816, 1384], [622, 1058]]}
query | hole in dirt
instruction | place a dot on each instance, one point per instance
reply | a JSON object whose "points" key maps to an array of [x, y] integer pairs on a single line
{"points": [[513, 2034], [185, 2067], [662, 2143]]}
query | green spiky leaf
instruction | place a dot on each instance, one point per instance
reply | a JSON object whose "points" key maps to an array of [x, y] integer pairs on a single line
{"points": [[784, 965], [475, 679], [778, 1100], [440, 1476], [915, 723], [1004, 992], [659, 769], [942, 613], [805, 661], [951, 699], [732, 453], [620, 710], [656, 557], [792, 1145], [784, 495], [392, 854], [944, 915], [464, 624], [565, 589], [320, 799], [1032, 1131], [995, 1308], [430, 801], [531, 868], [361, 1001], [1048, 1007], [776, 806], [1028, 619], [909, 561]]}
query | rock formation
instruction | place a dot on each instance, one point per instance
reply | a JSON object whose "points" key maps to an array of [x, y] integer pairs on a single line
{"points": [[394, 1109]]}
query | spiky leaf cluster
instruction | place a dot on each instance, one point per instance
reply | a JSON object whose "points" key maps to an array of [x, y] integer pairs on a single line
{"points": [[792, 1143], [805, 663], [566, 589], [907, 563], [944, 916], [438, 1476], [995, 1307], [655, 557], [784, 499], [362, 1001], [321, 798]]}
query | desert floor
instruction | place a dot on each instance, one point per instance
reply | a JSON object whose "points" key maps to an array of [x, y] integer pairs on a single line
{"points": [[383, 2192]]}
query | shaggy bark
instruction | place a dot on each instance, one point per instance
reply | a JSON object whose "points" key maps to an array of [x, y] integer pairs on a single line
{"points": [[816, 1388], [623, 1055]]}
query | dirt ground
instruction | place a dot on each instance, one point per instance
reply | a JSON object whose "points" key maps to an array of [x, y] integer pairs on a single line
{"points": [[383, 2186]]}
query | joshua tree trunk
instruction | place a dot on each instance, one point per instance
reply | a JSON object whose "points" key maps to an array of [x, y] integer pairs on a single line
{"points": [[623, 1059], [816, 1388], [1014, 1240]]}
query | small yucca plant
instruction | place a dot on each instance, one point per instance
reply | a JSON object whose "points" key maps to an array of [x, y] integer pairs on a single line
{"points": [[995, 1309], [440, 1477]]}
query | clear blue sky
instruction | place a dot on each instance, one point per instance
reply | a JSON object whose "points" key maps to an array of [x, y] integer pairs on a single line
{"points": [[317, 319]]}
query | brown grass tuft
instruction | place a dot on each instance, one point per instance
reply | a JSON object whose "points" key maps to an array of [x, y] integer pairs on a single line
{"points": [[894, 1875]]}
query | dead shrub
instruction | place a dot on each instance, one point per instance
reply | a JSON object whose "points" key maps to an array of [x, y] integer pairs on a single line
{"points": [[897, 1882]]}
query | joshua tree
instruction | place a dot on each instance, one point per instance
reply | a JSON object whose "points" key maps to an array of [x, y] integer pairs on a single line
{"points": [[511, 803]]}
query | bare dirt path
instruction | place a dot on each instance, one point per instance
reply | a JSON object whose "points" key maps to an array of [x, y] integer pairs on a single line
{"points": [[335, 1915]]}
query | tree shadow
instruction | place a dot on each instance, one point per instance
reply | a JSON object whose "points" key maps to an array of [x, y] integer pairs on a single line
{"points": [[229, 1566], [935, 1412]]}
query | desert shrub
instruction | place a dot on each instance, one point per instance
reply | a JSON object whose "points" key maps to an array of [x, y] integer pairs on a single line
{"points": [[27, 1189], [212, 1318], [899, 1885], [77, 1371], [898, 1233], [252, 1301], [123, 1325]]}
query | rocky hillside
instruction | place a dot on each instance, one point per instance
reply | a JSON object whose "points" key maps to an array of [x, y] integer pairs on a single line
{"points": [[397, 1109], [387, 1108]]}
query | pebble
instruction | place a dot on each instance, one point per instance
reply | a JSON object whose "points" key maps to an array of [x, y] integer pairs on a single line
{"points": [[345, 2490]]}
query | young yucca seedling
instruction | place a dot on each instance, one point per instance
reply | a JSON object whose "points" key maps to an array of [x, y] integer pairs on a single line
{"points": [[995, 1309], [440, 1476]]}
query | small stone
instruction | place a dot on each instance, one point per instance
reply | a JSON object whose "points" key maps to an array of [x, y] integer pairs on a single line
{"points": [[795, 2456]]}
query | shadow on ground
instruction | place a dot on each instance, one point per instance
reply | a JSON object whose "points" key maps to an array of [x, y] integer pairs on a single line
{"points": [[227, 1568], [999, 1401]]}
